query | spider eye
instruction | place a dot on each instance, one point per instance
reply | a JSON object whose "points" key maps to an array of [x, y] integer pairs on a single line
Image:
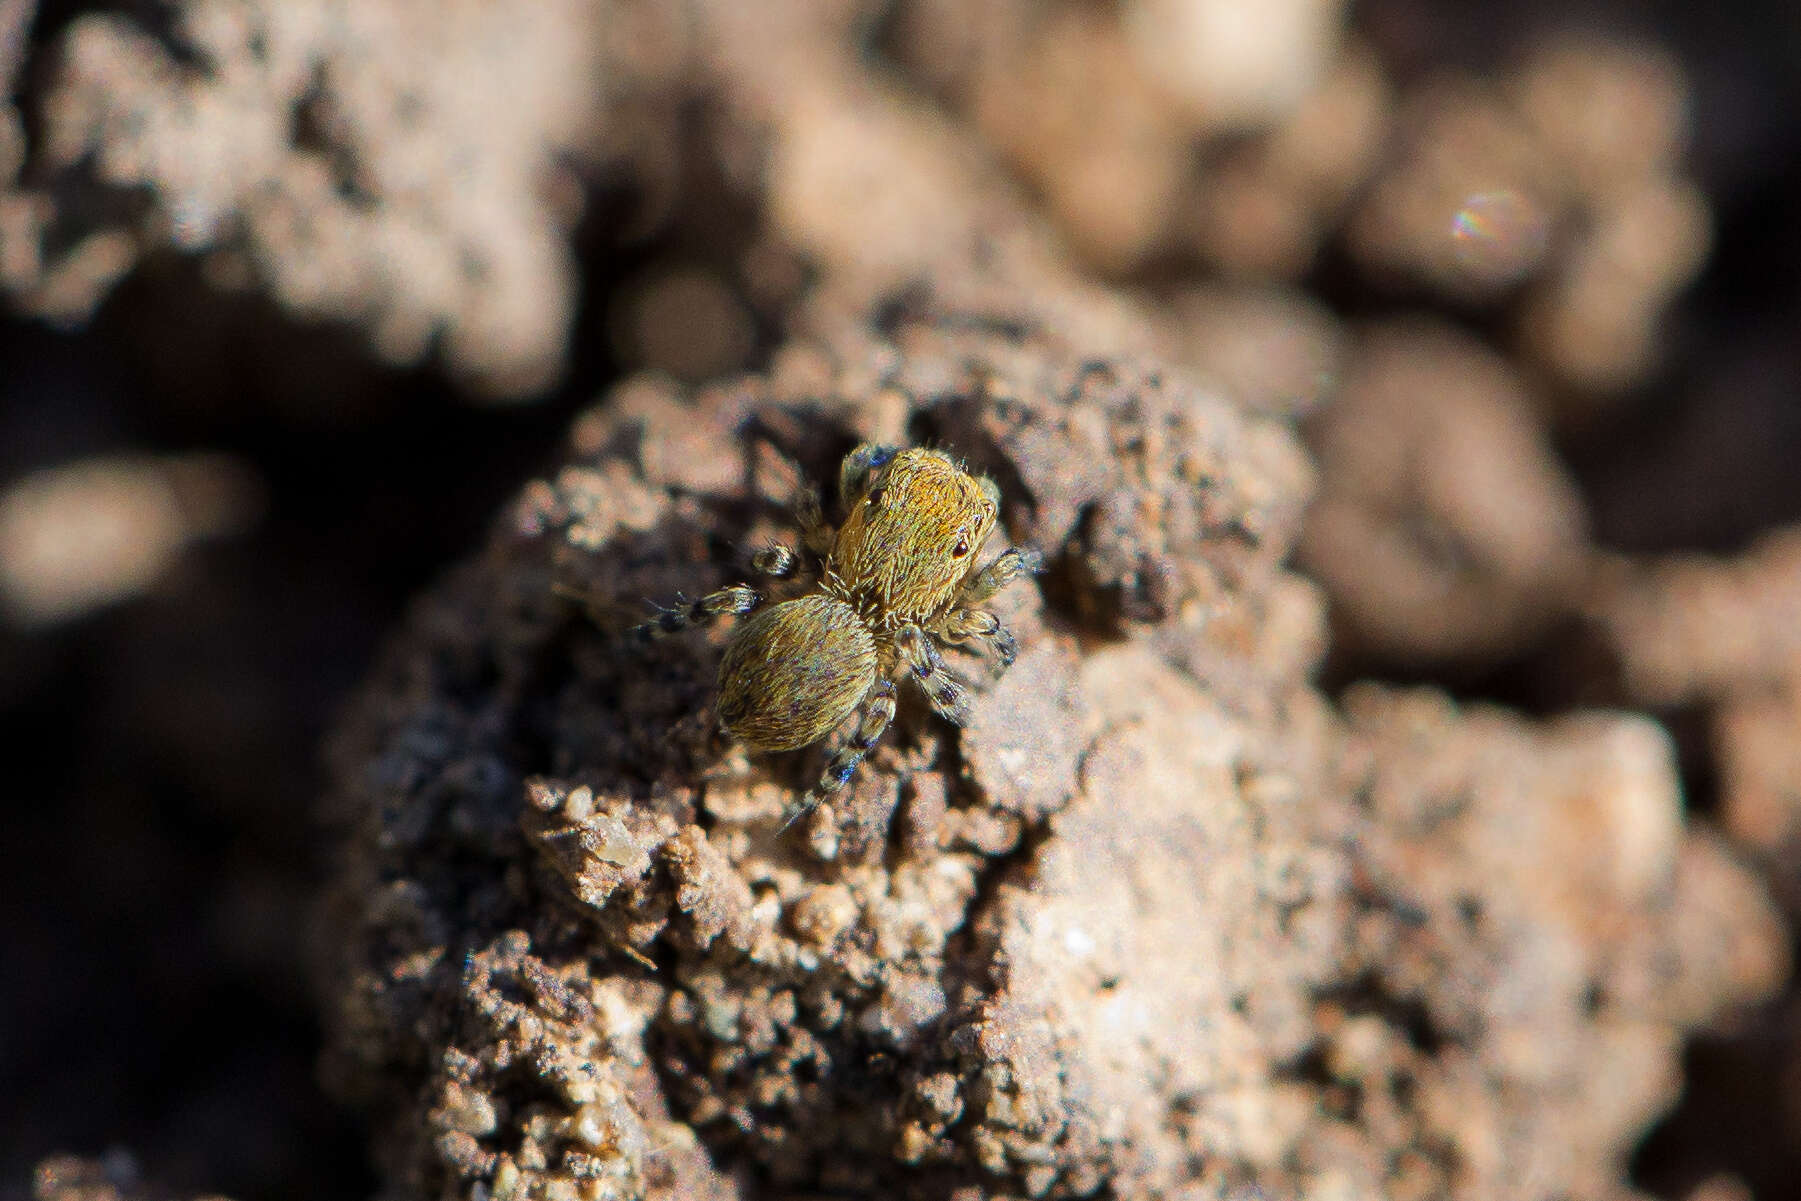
{"points": [[961, 549]]}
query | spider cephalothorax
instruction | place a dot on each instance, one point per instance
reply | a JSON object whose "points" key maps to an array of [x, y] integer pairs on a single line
{"points": [[898, 577]]}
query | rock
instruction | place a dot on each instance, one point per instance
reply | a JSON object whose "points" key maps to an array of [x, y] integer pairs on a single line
{"points": [[1159, 921]]}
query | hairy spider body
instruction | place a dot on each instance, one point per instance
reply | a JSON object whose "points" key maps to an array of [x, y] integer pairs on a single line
{"points": [[910, 539], [898, 577], [795, 671]]}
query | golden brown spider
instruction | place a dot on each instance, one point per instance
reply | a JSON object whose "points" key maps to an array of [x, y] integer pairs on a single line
{"points": [[898, 576]]}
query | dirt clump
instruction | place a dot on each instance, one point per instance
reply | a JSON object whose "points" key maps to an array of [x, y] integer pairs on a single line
{"points": [[1160, 920]]}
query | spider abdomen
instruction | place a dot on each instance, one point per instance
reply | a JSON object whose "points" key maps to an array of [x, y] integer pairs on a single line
{"points": [[793, 672]]}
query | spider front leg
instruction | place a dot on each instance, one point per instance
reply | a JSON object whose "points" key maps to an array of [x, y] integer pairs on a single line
{"points": [[961, 626], [1007, 567], [878, 711], [736, 601], [858, 466], [967, 622], [816, 532], [945, 692]]}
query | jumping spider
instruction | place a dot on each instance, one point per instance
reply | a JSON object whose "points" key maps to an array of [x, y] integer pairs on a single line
{"points": [[898, 577]]}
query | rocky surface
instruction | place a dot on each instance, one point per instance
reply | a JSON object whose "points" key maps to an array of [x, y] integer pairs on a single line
{"points": [[302, 152], [1160, 921]]}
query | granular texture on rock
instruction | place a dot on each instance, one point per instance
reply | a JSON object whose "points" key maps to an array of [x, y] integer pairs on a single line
{"points": [[1156, 923], [1537, 924]]}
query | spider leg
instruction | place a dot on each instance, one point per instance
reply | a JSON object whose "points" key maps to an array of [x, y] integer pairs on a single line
{"points": [[1009, 566], [817, 533], [858, 466], [736, 600], [941, 688], [878, 711], [959, 626], [778, 562]]}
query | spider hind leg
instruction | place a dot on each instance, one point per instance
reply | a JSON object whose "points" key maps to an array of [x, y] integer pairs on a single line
{"points": [[878, 712]]}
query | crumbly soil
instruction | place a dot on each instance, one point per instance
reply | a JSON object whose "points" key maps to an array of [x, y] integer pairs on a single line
{"points": [[1161, 921]]}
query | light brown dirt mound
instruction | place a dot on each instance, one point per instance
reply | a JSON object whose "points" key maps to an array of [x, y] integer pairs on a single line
{"points": [[1159, 921]]}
